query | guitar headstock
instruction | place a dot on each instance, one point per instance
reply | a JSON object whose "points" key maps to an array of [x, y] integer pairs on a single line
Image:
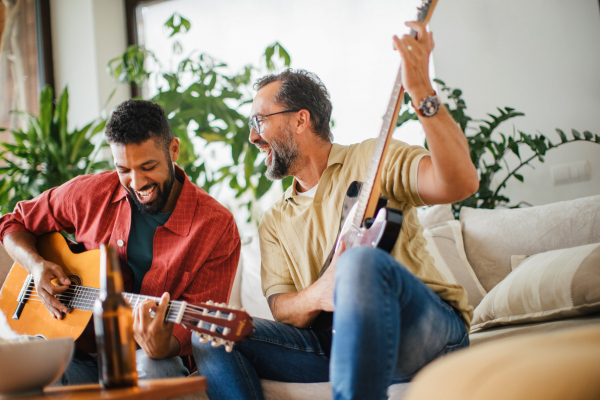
{"points": [[218, 323], [425, 10]]}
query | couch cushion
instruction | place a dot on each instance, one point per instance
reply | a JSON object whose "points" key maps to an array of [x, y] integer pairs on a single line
{"points": [[273, 390], [251, 293], [553, 366], [430, 217], [551, 285], [492, 236], [445, 245], [507, 331]]}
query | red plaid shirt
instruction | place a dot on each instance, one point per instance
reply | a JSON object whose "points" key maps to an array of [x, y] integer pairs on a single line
{"points": [[195, 253]]}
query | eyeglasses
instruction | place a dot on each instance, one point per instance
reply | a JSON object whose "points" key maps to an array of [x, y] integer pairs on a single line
{"points": [[255, 121]]}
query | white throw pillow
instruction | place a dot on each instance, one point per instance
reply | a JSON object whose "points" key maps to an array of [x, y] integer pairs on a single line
{"points": [[492, 236], [547, 286], [430, 217], [445, 245]]}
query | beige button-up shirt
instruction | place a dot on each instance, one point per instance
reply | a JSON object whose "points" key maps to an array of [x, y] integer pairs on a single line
{"points": [[298, 233]]}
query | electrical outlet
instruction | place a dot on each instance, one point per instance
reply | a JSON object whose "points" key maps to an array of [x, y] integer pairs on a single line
{"points": [[573, 172]]}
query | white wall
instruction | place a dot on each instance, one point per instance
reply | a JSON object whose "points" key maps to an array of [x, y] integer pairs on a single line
{"points": [[86, 34], [541, 57]]}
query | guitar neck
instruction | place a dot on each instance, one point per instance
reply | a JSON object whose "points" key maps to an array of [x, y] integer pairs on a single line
{"points": [[369, 193], [83, 298]]}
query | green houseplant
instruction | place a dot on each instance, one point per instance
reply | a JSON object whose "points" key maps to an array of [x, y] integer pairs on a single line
{"points": [[204, 101], [46, 154], [489, 152]]}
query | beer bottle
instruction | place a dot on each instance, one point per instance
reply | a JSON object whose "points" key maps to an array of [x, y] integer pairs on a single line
{"points": [[113, 323]]}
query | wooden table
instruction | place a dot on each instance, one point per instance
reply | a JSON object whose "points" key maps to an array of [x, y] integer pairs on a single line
{"points": [[151, 389]]}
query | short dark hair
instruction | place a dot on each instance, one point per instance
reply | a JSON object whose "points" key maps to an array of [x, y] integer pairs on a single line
{"points": [[304, 90], [135, 121]]}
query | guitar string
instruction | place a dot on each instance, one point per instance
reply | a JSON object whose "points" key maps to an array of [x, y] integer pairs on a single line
{"points": [[86, 303], [190, 317], [90, 295], [88, 298]]}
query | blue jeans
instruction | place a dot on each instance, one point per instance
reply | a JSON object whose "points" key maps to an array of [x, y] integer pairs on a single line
{"points": [[83, 368], [387, 326]]}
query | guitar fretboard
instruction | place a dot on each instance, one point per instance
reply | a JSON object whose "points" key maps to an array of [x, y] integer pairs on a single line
{"points": [[385, 134], [83, 298]]}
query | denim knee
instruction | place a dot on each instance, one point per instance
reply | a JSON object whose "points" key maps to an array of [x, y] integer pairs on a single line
{"points": [[360, 262], [149, 368]]}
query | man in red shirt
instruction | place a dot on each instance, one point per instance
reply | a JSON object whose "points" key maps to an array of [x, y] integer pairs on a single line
{"points": [[170, 235]]}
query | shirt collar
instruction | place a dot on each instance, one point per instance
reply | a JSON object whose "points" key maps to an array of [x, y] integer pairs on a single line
{"points": [[183, 214], [337, 155], [180, 221]]}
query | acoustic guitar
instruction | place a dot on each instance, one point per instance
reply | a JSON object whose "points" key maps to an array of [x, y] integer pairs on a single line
{"points": [[365, 220], [26, 314]]}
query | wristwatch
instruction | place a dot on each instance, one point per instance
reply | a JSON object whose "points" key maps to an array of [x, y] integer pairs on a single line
{"points": [[429, 106]]}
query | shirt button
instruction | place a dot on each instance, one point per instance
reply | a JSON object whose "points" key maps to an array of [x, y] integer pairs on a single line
{"points": [[120, 243]]}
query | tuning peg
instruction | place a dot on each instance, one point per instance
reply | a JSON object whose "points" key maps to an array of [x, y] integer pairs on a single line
{"points": [[215, 343], [210, 302], [213, 328], [205, 338], [229, 347], [230, 317], [218, 314], [226, 331]]}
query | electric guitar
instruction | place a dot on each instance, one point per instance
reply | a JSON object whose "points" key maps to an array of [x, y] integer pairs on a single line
{"points": [[26, 314], [365, 220]]}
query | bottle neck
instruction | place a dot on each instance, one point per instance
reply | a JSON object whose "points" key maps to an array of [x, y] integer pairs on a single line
{"points": [[111, 279]]}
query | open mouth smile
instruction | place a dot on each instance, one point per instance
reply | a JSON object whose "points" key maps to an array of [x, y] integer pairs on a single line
{"points": [[147, 195], [269, 152]]}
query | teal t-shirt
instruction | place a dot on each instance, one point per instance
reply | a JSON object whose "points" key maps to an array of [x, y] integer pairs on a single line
{"points": [[140, 243]]}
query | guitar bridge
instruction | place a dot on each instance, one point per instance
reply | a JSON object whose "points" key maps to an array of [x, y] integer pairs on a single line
{"points": [[23, 296]]}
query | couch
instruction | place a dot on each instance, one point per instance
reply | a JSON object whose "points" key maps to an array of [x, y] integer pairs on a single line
{"points": [[530, 273], [479, 251]]}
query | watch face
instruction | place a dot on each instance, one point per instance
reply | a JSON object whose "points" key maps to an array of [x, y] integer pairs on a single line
{"points": [[430, 106]]}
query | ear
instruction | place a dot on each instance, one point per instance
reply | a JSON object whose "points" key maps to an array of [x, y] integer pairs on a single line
{"points": [[303, 121], [174, 149]]}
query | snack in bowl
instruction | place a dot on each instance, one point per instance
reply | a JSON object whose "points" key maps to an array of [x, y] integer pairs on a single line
{"points": [[28, 364]]}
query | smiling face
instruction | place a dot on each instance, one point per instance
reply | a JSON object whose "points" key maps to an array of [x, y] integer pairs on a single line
{"points": [[276, 137], [147, 172]]}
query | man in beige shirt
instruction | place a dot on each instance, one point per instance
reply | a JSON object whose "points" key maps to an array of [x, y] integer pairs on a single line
{"points": [[394, 313]]}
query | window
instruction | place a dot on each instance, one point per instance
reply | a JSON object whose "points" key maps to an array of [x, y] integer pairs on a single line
{"points": [[348, 44]]}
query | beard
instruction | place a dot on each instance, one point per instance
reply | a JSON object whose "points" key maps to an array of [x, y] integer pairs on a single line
{"points": [[284, 153], [162, 195]]}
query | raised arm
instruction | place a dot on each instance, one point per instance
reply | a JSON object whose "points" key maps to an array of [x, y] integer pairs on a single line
{"points": [[448, 175]]}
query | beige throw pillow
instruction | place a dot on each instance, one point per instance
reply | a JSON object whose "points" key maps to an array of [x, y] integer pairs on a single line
{"points": [[492, 236], [445, 245], [547, 286]]}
